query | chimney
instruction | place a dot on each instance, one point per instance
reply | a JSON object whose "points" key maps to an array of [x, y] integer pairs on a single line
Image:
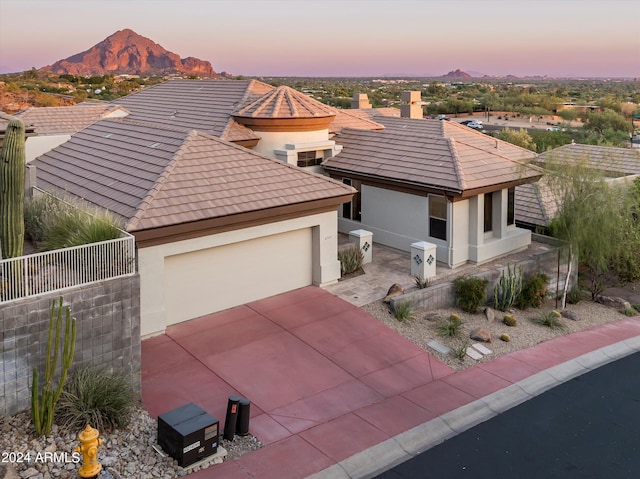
{"points": [[360, 100], [411, 107]]}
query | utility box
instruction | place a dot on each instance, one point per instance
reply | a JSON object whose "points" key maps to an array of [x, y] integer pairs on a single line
{"points": [[188, 434]]}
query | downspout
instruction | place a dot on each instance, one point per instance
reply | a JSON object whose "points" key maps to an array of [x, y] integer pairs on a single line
{"points": [[450, 234]]}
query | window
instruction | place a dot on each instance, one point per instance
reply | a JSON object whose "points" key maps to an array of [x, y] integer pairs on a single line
{"points": [[309, 158], [488, 212], [438, 217], [511, 206], [352, 210]]}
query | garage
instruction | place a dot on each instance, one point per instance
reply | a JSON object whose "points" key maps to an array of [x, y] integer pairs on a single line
{"points": [[208, 280]]}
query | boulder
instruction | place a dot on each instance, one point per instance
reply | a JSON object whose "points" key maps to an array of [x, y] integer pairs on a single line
{"points": [[569, 315], [433, 317], [395, 290], [614, 302], [481, 334], [490, 314]]}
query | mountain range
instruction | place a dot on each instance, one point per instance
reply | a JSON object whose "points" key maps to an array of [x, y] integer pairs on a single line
{"points": [[126, 52]]}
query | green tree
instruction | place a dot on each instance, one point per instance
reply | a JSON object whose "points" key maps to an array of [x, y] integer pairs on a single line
{"points": [[517, 137], [599, 122], [569, 114]]}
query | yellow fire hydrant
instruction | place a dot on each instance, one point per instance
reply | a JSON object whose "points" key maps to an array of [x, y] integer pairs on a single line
{"points": [[89, 443]]}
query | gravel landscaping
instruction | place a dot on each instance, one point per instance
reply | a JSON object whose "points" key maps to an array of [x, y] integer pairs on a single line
{"points": [[422, 329]]}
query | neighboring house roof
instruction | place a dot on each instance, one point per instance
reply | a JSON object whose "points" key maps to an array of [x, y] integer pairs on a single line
{"points": [[372, 113], [611, 160], [537, 205], [203, 105], [67, 119], [155, 177], [432, 155]]}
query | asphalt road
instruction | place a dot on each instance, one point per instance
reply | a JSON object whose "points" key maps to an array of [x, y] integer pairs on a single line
{"points": [[588, 427]]}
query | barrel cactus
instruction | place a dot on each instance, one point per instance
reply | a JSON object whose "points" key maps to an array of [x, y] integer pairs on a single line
{"points": [[12, 166]]}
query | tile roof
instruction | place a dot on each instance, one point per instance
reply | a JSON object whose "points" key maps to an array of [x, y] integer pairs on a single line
{"points": [[66, 119], [372, 113], [432, 154], [346, 119], [535, 204], [203, 105], [284, 102], [617, 161], [153, 176]]}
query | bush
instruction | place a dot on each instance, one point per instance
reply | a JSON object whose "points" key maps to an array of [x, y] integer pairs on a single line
{"points": [[550, 320], [422, 283], [403, 311], [459, 351], [574, 295], [350, 260], [450, 327], [471, 292], [97, 397], [53, 224], [533, 292], [630, 312], [507, 288]]}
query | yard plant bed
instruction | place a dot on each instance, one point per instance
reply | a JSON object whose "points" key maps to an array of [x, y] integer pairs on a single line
{"points": [[423, 328]]}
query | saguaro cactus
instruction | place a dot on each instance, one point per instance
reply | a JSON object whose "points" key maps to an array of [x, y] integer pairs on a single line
{"points": [[12, 165], [43, 404]]}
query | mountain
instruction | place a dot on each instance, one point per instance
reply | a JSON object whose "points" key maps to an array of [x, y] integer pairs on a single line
{"points": [[126, 52], [457, 74]]}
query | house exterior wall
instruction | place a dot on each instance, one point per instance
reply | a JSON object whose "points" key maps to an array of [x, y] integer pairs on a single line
{"points": [[396, 219], [39, 145], [284, 145], [152, 261], [107, 334]]}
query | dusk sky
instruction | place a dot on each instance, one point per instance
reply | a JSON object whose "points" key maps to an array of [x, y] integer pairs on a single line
{"points": [[561, 38]]}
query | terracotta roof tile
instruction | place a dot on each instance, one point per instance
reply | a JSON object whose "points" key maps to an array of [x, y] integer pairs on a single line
{"points": [[155, 176], [430, 154], [67, 119], [284, 102], [346, 119]]}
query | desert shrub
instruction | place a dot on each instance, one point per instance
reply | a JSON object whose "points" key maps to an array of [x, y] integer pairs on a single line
{"points": [[422, 283], [574, 295], [403, 311], [533, 291], [471, 292], [97, 397], [350, 260], [459, 351], [551, 320], [629, 312], [52, 224], [449, 327], [507, 288], [509, 320]]}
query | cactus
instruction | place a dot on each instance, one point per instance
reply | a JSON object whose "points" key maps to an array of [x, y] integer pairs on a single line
{"points": [[12, 166], [509, 320], [505, 337], [507, 288], [43, 403]]}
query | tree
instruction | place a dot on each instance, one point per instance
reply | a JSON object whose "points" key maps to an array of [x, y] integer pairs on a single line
{"points": [[595, 217], [568, 114], [606, 120], [520, 138]]}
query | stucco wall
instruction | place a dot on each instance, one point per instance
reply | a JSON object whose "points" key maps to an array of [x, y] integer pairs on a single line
{"points": [[107, 334], [151, 262], [272, 140], [39, 145]]}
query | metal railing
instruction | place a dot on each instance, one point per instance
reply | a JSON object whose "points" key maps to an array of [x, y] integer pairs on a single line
{"points": [[39, 273]]}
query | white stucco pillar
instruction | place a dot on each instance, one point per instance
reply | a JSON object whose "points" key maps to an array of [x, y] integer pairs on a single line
{"points": [[363, 239], [423, 259]]}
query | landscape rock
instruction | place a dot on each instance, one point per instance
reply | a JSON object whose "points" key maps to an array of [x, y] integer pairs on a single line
{"points": [[434, 317], [394, 291], [614, 302], [569, 315], [480, 334], [490, 314], [7, 471]]}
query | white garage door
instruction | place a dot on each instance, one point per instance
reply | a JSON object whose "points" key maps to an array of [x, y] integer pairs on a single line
{"points": [[214, 279]]}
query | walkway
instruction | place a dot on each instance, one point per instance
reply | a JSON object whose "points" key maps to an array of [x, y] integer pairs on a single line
{"points": [[335, 392]]}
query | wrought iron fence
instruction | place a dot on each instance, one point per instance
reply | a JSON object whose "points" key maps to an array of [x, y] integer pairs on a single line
{"points": [[64, 268]]}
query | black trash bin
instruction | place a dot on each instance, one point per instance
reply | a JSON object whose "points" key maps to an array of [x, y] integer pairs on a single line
{"points": [[242, 426], [231, 418]]}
